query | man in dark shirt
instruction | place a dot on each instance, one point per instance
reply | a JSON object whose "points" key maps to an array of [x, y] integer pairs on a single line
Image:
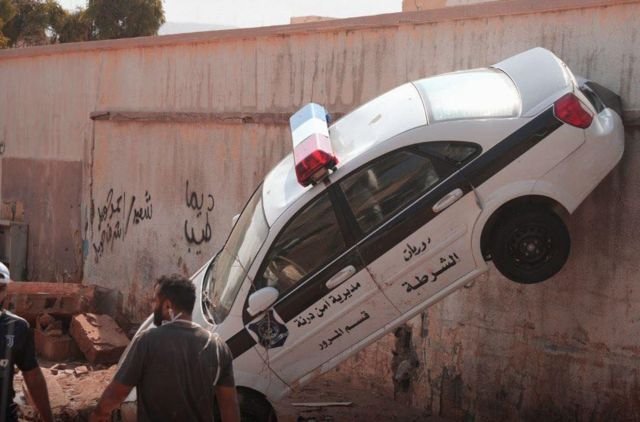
{"points": [[17, 348], [177, 368]]}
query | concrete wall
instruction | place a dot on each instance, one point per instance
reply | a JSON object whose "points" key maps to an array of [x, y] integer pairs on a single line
{"points": [[210, 110]]}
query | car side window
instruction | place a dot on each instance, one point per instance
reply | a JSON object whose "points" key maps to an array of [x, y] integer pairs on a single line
{"points": [[309, 241], [383, 188], [456, 153]]}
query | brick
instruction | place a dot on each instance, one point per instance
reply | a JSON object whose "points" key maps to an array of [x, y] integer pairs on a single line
{"points": [[59, 347], [29, 299], [99, 338], [81, 370]]}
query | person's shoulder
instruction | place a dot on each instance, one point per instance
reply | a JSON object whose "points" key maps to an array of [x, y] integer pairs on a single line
{"points": [[19, 322]]}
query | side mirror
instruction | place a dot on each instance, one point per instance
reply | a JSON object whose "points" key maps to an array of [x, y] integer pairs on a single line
{"points": [[234, 219], [261, 300]]}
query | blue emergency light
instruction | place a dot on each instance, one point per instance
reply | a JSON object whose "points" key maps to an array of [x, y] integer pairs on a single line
{"points": [[312, 152]]}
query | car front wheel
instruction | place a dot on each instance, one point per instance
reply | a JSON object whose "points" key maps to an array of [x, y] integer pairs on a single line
{"points": [[530, 245]]}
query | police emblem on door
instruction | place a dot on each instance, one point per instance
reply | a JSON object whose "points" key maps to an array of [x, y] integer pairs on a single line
{"points": [[270, 332]]}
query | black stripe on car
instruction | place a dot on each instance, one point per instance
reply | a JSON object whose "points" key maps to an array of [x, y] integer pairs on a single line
{"points": [[408, 221]]}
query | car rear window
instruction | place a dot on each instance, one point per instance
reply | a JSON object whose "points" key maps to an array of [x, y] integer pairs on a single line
{"points": [[475, 94]]}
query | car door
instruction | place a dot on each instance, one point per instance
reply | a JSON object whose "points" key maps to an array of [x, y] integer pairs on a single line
{"points": [[415, 212], [328, 301]]}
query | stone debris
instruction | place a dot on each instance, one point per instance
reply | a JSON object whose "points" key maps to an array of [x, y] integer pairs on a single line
{"points": [[81, 370], [99, 338], [72, 398], [52, 343]]}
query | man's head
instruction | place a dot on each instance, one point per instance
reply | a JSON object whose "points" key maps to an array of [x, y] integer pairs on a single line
{"points": [[173, 295], [5, 277]]}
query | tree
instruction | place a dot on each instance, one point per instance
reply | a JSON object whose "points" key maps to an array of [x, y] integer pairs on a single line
{"points": [[76, 27], [35, 22], [124, 18], [7, 12]]}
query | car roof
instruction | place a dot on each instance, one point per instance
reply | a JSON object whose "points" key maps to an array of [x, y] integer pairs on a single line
{"points": [[537, 74], [394, 112]]}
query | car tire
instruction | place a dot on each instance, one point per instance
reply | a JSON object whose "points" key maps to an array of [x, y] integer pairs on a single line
{"points": [[255, 408], [530, 245]]}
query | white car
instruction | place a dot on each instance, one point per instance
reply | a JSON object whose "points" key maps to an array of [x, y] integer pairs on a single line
{"points": [[419, 188]]}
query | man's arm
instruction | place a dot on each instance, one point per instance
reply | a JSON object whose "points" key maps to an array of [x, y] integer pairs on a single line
{"points": [[38, 390], [114, 394], [228, 404]]}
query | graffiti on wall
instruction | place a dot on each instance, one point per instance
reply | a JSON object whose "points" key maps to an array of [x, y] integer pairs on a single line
{"points": [[197, 228], [116, 216]]}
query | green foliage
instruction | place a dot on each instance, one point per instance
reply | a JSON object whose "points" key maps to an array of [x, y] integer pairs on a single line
{"points": [[35, 22], [76, 27], [124, 18], [38, 22], [7, 12]]}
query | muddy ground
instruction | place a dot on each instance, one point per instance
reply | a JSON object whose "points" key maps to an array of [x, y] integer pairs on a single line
{"points": [[74, 389]]}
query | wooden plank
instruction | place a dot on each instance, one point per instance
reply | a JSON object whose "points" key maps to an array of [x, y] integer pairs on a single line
{"points": [[324, 404]]}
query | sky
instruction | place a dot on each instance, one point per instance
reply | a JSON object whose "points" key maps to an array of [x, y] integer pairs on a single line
{"points": [[251, 13]]}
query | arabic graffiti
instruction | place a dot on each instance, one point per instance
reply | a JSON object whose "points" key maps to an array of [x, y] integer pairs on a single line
{"points": [[410, 251], [331, 300], [201, 206], [115, 217], [445, 263], [340, 332]]}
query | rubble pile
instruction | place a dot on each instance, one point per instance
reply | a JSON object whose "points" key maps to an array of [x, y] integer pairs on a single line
{"points": [[77, 345], [74, 390], [66, 324]]}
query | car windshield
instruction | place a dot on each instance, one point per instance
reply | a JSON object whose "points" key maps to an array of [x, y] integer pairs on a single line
{"points": [[229, 269]]}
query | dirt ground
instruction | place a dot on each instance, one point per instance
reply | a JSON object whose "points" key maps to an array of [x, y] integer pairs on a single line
{"points": [[368, 403], [74, 389]]}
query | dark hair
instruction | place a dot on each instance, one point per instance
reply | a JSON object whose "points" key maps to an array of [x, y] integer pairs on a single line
{"points": [[179, 290]]}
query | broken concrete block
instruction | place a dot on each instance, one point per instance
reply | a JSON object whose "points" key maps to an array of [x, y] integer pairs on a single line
{"points": [[30, 299], [55, 347], [99, 338], [81, 370]]}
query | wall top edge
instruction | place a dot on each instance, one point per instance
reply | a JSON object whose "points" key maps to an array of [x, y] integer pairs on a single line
{"points": [[631, 117], [464, 12]]}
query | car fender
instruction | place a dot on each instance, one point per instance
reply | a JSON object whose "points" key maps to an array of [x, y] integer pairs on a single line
{"points": [[508, 193]]}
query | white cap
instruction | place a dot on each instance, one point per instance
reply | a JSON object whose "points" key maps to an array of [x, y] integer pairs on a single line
{"points": [[5, 276]]}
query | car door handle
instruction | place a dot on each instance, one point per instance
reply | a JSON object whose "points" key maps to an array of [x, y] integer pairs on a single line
{"points": [[341, 276], [447, 200]]}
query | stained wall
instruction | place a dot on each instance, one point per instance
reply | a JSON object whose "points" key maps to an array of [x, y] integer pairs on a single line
{"points": [[155, 193]]}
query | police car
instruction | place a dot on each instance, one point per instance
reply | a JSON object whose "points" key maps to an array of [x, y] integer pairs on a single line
{"points": [[398, 204]]}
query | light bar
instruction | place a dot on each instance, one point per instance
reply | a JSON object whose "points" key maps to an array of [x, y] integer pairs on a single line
{"points": [[312, 152]]}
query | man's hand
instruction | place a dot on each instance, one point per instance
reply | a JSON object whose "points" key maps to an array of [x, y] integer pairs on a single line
{"points": [[38, 390], [228, 404], [112, 397]]}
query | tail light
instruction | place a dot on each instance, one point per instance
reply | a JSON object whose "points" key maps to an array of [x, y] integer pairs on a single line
{"points": [[570, 110], [312, 151]]}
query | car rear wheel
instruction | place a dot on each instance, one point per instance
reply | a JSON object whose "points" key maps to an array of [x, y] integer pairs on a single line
{"points": [[255, 408], [530, 245]]}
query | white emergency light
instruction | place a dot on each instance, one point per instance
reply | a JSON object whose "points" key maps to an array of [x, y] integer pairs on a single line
{"points": [[312, 152]]}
